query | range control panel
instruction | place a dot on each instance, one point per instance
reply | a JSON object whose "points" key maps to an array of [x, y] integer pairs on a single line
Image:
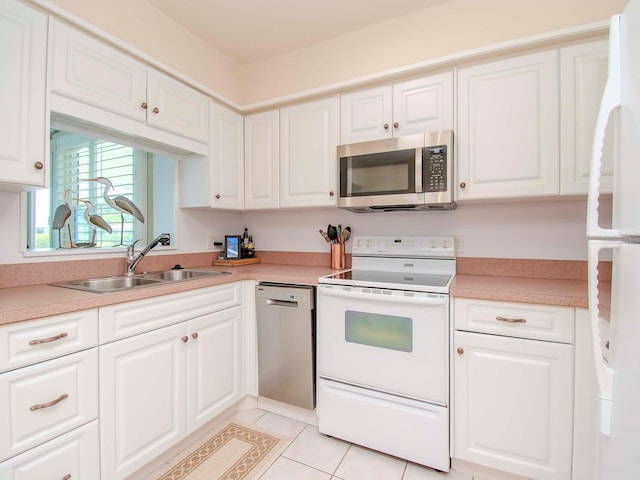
{"points": [[404, 246]]}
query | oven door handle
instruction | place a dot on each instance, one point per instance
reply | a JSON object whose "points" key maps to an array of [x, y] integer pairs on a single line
{"points": [[436, 300]]}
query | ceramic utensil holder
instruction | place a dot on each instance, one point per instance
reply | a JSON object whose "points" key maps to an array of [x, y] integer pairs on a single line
{"points": [[337, 256]]}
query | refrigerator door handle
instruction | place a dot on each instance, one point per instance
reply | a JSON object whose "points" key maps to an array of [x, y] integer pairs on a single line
{"points": [[610, 101], [604, 373]]}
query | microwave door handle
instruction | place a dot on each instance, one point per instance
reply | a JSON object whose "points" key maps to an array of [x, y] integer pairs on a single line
{"points": [[419, 168]]}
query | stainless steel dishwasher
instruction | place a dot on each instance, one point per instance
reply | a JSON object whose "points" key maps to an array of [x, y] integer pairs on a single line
{"points": [[286, 343]]}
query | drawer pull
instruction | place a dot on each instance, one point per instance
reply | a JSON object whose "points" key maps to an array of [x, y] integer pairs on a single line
{"points": [[67, 476], [39, 406], [511, 320], [48, 340]]}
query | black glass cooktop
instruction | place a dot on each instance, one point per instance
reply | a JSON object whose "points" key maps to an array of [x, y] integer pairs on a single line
{"points": [[373, 278]]}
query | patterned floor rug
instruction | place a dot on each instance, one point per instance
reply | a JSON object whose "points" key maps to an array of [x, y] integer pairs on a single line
{"points": [[235, 452]]}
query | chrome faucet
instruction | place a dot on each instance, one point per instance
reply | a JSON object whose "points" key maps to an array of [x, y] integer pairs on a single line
{"points": [[133, 260]]}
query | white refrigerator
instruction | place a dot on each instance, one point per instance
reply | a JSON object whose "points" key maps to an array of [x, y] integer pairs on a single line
{"points": [[617, 347]]}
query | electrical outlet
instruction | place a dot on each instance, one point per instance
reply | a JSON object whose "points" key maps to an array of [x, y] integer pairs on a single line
{"points": [[212, 239], [459, 244]]}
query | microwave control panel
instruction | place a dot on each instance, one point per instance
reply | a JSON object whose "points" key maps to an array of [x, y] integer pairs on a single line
{"points": [[435, 168]]}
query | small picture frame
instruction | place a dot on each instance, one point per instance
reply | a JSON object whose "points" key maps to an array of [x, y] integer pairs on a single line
{"points": [[232, 250]]}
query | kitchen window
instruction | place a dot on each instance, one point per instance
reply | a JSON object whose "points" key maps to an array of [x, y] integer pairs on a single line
{"points": [[143, 178]]}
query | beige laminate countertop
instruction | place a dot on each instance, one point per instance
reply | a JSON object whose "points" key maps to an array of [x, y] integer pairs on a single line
{"points": [[35, 301], [570, 293]]}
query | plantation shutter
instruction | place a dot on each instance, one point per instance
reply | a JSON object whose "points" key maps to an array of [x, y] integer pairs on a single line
{"points": [[76, 157]]}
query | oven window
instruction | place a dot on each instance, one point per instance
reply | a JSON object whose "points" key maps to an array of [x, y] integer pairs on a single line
{"points": [[377, 330], [378, 174]]}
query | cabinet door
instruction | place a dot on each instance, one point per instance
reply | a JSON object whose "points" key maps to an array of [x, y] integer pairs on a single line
{"points": [[227, 159], [366, 115], [513, 404], [47, 399], [214, 365], [423, 105], [88, 70], [308, 163], [176, 107], [74, 455], [142, 399], [583, 76], [262, 158], [23, 49], [508, 142]]}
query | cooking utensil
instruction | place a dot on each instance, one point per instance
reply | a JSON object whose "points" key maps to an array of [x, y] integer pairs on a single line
{"points": [[346, 234], [332, 232], [325, 236]]}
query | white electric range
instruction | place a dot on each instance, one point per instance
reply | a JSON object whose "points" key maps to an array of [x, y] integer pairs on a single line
{"points": [[383, 347]]}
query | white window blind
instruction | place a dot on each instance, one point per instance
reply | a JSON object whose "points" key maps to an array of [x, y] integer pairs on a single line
{"points": [[78, 157]]}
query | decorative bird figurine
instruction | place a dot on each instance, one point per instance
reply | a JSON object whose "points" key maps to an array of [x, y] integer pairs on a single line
{"points": [[94, 220], [120, 203], [60, 217]]}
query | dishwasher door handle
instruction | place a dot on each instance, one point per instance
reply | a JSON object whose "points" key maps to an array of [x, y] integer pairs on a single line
{"points": [[282, 303]]}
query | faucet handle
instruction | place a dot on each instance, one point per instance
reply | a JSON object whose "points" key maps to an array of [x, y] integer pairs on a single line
{"points": [[131, 249]]}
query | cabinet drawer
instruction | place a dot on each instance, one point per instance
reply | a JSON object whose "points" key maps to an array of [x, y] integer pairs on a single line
{"points": [[73, 455], [43, 401], [131, 318], [538, 322], [37, 340]]}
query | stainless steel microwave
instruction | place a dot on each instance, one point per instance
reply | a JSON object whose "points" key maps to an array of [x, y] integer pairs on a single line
{"points": [[405, 173]]}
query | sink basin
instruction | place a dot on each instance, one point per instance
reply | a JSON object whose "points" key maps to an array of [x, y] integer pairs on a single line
{"points": [[109, 284], [176, 275], [118, 284]]}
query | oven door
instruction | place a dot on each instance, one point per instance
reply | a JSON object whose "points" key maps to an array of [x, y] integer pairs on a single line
{"points": [[388, 340], [383, 172]]}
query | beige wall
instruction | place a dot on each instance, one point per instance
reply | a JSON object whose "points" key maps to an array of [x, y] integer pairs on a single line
{"points": [[446, 28]]}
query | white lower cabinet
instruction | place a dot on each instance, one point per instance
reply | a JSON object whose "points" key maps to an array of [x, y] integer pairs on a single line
{"points": [[513, 398], [158, 387], [214, 366], [73, 455], [142, 397], [49, 398]]}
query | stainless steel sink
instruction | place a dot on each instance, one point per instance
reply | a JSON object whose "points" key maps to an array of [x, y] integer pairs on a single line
{"points": [[176, 275], [121, 283]]}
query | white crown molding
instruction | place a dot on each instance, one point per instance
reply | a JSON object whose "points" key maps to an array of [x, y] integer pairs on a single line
{"points": [[548, 39]]}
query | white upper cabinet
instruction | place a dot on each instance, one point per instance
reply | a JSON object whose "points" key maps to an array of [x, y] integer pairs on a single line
{"points": [[508, 129], [175, 107], [217, 180], [262, 159], [583, 75], [88, 70], [414, 106], [227, 158], [96, 82], [308, 165], [23, 121]]}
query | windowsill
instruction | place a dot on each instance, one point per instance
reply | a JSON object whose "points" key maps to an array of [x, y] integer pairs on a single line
{"points": [[118, 251]]}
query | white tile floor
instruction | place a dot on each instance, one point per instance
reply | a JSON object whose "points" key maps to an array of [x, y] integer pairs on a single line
{"points": [[313, 456]]}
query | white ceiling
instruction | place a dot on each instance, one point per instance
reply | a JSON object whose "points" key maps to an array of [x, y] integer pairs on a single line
{"points": [[252, 30]]}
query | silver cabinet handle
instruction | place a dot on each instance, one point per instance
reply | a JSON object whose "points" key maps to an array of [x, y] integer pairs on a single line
{"points": [[511, 320], [39, 406], [48, 340]]}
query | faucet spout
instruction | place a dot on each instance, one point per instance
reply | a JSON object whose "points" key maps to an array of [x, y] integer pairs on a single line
{"points": [[133, 260]]}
